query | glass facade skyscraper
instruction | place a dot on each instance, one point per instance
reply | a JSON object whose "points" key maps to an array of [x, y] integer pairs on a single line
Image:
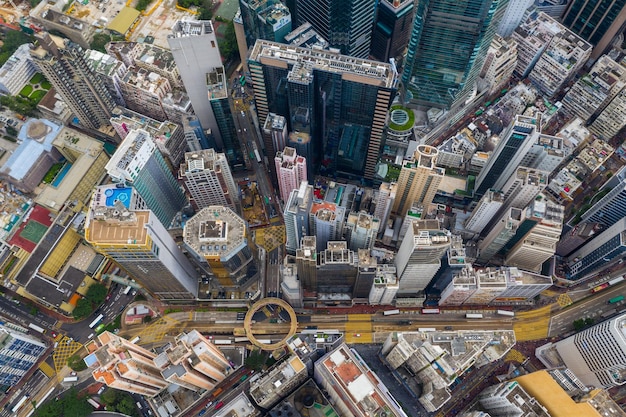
{"points": [[596, 21], [335, 105], [447, 49], [346, 24]]}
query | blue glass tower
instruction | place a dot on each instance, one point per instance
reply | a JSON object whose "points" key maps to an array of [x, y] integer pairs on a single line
{"points": [[138, 163], [447, 49]]}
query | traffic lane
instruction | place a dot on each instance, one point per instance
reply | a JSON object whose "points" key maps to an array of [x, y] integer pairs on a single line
{"points": [[21, 313], [594, 306]]}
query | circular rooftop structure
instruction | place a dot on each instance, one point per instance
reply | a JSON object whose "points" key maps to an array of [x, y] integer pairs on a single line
{"points": [[37, 130], [401, 118], [270, 315]]}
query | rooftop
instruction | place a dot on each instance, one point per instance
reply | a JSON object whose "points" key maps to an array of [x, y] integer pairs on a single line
{"points": [[215, 231], [360, 70]]}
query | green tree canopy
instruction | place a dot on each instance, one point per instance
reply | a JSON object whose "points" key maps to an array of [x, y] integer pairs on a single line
{"points": [[97, 293], [99, 41], [76, 363], [69, 405], [83, 309], [12, 40], [255, 360]]}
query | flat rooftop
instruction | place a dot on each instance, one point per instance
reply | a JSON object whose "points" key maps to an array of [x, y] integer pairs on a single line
{"points": [[110, 231], [215, 231]]}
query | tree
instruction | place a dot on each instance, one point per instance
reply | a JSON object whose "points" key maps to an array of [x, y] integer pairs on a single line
{"points": [[99, 41], [11, 130], [69, 405], [126, 405], [76, 363], [110, 396], [255, 360], [96, 294], [83, 309], [228, 46], [12, 40]]}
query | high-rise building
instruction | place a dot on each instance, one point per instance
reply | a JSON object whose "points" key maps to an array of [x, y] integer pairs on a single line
{"points": [[17, 71], [590, 94], [493, 286], [513, 16], [265, 19], [384, 203], [346, 24], [392, 28], [195, 50], [447, 49], [19, 352], [418, 181], [168, 137], [594, 256], [138, 163], [63, 63], [596, 21], [361, 229], [500, 234], [500, 62], [140, 244], [612, 119], [306, 260], [336, 272], [610, 208], [514, 144], [123, 365], [217, 239], [485, 211], [290, 170], [419, 256], [539, 243], [522, 187], [218, 93], [275, 133], [326, 223], [354, 389], [194, 362], [296, 215], [533, 36], [385, 285], [335, 105], [560, 61], [597, 355], [195, 136], [366, 273], [208, 180]]}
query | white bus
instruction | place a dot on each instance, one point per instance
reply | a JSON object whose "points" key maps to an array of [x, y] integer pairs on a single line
{"points": [[96, 321], [19, 404], [127, 290], [222, 341], [506, 313], [70, 379], [391, 312], [473, 316], [36, 328], [135, 340], [616, 280], [426, 329]]}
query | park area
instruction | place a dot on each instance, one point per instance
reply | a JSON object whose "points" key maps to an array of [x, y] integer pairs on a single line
{"points": [[36, 88]]}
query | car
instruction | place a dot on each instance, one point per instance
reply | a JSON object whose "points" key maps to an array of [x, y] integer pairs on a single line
{"points": [[210, 403], [357, 335], [54, 334], [245, 130], [73, 373], [202, 412], [448, 328], [108, 297], [101, 390], [243, 113], [219, 405]]}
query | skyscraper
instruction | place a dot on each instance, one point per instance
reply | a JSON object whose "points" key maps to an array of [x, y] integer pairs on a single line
{"points": [[265, 19], [361, 229], [346, 24], [418, 181], [594, 256], [326, 223], [597, 355], [611, 208], [208, 179], [18, 353], [335, 105], [306, 260], [514, 144], [536, 239], [125, 366], [485, 211], [447, 48], [392, 28], [139, 243], [596, 21], [296, 215], [500, 234], [290, 170], [195, 50], [217, 238], [612, 118], [63, 64], [419, 256], [137, 162]]}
